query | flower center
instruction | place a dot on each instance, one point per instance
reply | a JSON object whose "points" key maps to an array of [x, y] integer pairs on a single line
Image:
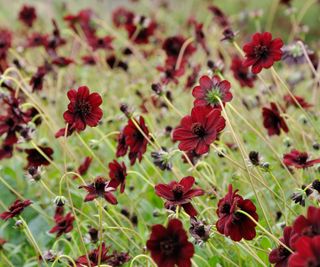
{"points": [[302, 159], [200, 231], [261, 51], [83, 108], [198, 129], [100, 187], [312, 263], [226, 208], [214, 95], [177, 192], [169, 246]]}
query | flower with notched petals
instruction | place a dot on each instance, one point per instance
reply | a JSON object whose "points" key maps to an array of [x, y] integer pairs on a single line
{"points": [[170, 246], [35, 158], [262, 51], [15, 209], [273, 121], [299, 159], [83, 109], [280, 255], [135, 140], [94, 255], [232, 223], [100, 188], [210, 91], [27, 15], [198, 131], [141, 29], [117, 173], [180, 194], [307, 252], [306, 226], [64, 224], [242, 73]]}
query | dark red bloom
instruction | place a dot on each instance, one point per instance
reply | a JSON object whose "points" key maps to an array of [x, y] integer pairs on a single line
{"points": [[15, 209], [5, 42], [170, 246], [13, 122], [117, 173], [307, 253], [273, 121], [100, 188], [89, 60], [242, 73], [114, 62], [280, 255], [209, 90], [27, 15], [94, 257], [262, 51], [64, 224], [101, 43], [171, 72], [83, 109], [179, 194], [118, 258], [135, 140], [293, 100], [35, 158], [54, 41], [121, 17], [141, 29], [6, 151], [36, 81], [172, 46], [232, 223], [83, 168], [62, 61], [37, 39], [306, 226], [83, 19], [299, 159], [192, 78], [198, 131]]}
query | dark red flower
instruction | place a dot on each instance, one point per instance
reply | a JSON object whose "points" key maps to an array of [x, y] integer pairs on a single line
{"points": [[36, 81], [280, 255], [170, 246], [135, 140], [210, 91], [262, 51], [118, 258], [293, 100], [171, 72], [141, 29], [100, 188], [5, 42], [172, 46], [94, 257], [100, 43], [54, 41], [37, 39], [62, 61], [15, 209], [180, 194], [83, 109], [6, 151], [192, 78], [64, 224], [306, 226], [299, 159], [122, 16], [232, 223], [242, 73], [83, 168], [83, 19], [307, 253], [13, 122], [27, 15], [35, 158], [273, 121], [198, 131], [89, 60], [117, 173], [114, 62]]}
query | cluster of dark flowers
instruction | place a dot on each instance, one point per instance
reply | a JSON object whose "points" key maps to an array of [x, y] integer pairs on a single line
{"points": [[195, 135]]}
